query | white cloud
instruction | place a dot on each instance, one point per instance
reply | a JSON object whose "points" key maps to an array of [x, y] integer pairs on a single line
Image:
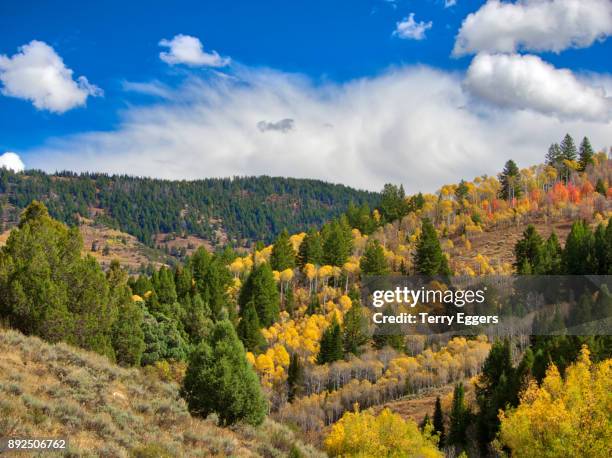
{"points": [[534, 25], [188, 50], [410, 29], [11, 161], [412, 125], [449, 3], [152, 88], [527, 82], [38, 74]]}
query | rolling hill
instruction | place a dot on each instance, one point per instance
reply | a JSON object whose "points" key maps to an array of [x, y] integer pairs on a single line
{"points": [[240, 210], [105, 410]]}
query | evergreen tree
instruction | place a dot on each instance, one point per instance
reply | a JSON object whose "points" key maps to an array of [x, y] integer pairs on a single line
{"points": [[438, 421], [578, 255], [510, 181], [260, 288], [219, 379], [337, 242], [551, 260], [212, 279], [249, 329], [459, 418], [429, 259], [295, 377], [528, 252], [163, 283], [48, 289], [355, 334], [586, 154], [127, 335], [600, 187], [426, 421], [393, 205], [283, 255], [568, 148], [361, 218], [495, 389], [373, 261], [553, 157], [461, 192], [331, 349], [311, 249], [163, 340], [197, 318], [568, 153]]}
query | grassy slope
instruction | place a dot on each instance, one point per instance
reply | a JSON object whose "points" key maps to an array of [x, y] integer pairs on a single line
{"points": [[105, 410]]}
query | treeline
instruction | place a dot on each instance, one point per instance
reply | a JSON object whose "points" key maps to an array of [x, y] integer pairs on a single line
{"points": [[250, 208]]}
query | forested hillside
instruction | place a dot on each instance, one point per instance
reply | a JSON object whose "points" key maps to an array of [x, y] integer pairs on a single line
{"points": [[239, 209], [281, 332]]}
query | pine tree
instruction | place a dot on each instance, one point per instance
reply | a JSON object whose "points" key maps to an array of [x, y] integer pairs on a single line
{"points": [[355, 334], [510, 181], [578, 255], [295, 377], [551, 259], [495, 389], [438, 421], [283, 255], [393, 205], [600, 187], [568, 153], [426, 421], [553, 157], [212, 279], [219, 379], [459, 418], [528, 252], [337, 242], [330, 348], [197, 319], [586, 154], [568, 148], [48, 289], [260, 288], [249, 328], [373, 261], [311, 249], [461, 192], [127, 338], [429, 259]]}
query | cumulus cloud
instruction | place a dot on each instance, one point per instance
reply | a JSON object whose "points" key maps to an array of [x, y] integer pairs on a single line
{"points": [[527, 82], [11, 161], [37, 73], [409, 29], [410, 125], [449, 3], [284, 125], [188, 50], [534, 25]]}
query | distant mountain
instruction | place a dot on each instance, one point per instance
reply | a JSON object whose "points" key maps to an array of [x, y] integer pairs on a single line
{"points": [[240, 209]]}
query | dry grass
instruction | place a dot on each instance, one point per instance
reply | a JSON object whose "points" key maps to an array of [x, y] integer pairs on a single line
{"points": [[497, 244], [104, 410]]}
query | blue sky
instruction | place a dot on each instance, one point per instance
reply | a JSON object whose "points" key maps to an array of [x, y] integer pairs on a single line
{"points": [[315, 51]]}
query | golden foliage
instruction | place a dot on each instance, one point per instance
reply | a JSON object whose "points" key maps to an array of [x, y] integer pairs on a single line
{"points": [[362, 434], [569, 416]]}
